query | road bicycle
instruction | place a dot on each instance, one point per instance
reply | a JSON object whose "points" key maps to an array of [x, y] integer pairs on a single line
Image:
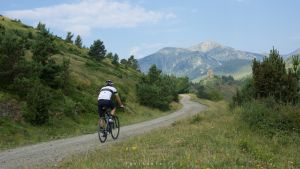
{"points": [[111, 126]]}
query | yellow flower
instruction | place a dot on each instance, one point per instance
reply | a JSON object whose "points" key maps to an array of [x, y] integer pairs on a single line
{"points": [[134, 148]]}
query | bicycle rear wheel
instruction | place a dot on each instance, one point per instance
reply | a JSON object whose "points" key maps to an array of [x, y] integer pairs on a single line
{"points": [[102, 134], [115, 127]]}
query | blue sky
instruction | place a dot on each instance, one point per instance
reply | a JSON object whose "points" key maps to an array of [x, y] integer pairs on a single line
{"points": [[141, 27]]}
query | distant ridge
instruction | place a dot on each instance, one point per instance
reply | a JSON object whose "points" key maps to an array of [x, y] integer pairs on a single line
{"points": [[295, 52], [195, 61]]}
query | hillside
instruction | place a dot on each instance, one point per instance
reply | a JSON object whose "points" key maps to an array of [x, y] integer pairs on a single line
{"points": [[195, 61], [72, 108]]}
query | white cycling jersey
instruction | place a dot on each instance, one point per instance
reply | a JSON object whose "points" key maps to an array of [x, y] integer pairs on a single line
{"points": [[106, 92]]}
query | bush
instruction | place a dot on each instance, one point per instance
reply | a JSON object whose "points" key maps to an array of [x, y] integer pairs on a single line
{"points": [[38, 102], [157, 90], [270, 117], [243, 95], [209, 93]]}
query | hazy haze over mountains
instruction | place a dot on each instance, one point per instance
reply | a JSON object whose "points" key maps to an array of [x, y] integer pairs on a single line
{"points": [[195, 61], [295, 52]]}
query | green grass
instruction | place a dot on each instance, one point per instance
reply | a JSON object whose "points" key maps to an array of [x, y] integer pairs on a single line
{"points": [[213, 139]]}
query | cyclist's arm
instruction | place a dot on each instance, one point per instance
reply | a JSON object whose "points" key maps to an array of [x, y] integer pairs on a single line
{"points": [[119, 100]]}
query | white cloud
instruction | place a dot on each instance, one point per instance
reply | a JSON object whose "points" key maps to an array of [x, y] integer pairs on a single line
{"points": [[83, 16], [134, 51]]}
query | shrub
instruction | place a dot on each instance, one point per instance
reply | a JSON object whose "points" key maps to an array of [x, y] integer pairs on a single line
{"points": [[157, 90], [243, 95], [269, 117], [38, 102], [209, 93]]}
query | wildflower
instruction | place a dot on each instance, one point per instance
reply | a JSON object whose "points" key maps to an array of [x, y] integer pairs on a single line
{"points": [[134, 148]]}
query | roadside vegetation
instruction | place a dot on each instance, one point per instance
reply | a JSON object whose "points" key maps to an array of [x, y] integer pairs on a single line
{"points": [[259, 128], [158, 90], [49, 85], [215, 88], [216, 138]]}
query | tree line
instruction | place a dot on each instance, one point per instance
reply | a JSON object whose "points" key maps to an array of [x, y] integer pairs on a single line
{"points": [[98, 52]]}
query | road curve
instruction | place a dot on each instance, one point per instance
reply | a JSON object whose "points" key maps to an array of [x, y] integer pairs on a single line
{"points": [[47, 154]]}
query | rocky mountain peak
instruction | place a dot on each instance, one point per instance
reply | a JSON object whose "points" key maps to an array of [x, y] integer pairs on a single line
{"points": [[206, 46], [172, 51]]}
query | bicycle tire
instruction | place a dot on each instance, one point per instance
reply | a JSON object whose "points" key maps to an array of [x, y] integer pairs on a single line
{"points": [[115, 127], [102, 137]]}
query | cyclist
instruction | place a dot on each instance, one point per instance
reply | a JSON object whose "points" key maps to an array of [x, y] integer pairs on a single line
{"points": [[105, 100]]}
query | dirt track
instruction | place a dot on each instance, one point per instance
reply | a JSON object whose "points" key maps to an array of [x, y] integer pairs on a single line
{"points": [[47, 154]]}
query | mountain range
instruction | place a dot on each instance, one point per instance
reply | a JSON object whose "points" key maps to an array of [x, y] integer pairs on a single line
{"points": [[197, 60], [295, 52]]}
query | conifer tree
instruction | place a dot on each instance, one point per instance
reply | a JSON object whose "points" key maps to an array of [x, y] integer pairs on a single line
{"points": [[97, 50], [69, 37], [270, 79], [78, 41], [41, 26], [109, 55], [123, 62], [115, 60], [133, 63]]}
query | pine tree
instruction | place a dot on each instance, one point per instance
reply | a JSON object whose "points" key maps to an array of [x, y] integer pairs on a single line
{"points": [[154, 74], [115, 60], [43, 48], [123, 62], [270, 79], [97, 50], [133, 63], [69, 37], [110, 55], [38, 101], [43, 30], [296, 63], [41, 26], [78, 41], [11, 53]]}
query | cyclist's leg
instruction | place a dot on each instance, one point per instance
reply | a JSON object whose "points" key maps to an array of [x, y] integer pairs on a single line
{"points": [[113, 108], [101, 114]]}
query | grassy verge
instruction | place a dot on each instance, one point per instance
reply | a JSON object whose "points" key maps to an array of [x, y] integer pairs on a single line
{"points": [[216, 138], [15, 134]]}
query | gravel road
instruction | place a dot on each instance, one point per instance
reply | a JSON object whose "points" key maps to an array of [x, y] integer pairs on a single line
{"points": [[47, 154]]}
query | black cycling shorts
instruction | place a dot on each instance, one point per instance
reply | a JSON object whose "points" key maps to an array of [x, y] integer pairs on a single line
{"points": [[104, 104]]}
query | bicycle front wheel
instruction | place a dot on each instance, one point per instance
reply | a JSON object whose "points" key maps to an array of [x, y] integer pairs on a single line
{"points": [[115, 127], [102, 134]]}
